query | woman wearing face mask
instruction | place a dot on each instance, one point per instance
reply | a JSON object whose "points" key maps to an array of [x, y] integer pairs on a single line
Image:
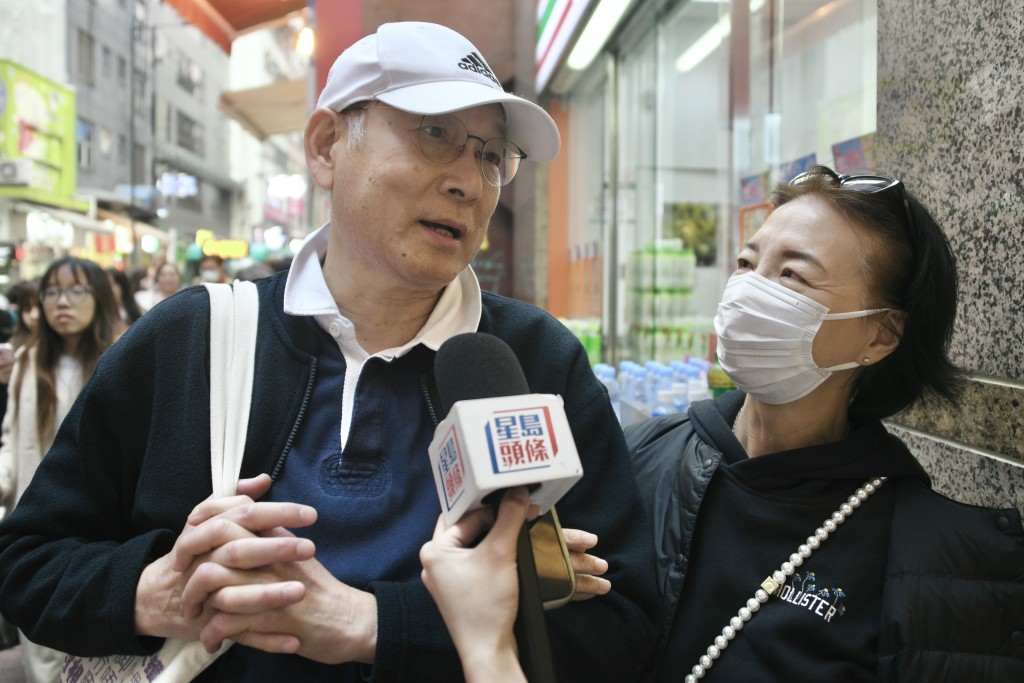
{"points": [[797, 539], [75, 328]]}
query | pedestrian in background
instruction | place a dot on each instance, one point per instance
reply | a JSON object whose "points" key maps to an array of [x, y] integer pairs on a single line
{"points": [[166, 281], [211, 269], [128, 310], [24, 298], [76, 327]]}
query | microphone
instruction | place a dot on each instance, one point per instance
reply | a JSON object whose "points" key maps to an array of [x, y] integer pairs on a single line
{"points": [[496, 434]]}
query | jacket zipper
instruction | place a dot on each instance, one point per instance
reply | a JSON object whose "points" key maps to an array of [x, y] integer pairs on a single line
{"points": [[425, 388], [298, 420]]}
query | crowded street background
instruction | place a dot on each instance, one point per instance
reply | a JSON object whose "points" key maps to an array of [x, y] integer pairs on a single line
{"points": [[149, 147]]}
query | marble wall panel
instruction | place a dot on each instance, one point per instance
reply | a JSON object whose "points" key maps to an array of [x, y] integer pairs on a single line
{"points": [[951, 122], [965, 475]]}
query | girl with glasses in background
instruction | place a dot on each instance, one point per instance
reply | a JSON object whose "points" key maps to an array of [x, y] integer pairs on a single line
{"points": [[75, 328]]}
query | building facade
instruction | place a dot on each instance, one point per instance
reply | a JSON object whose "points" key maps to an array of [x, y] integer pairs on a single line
{"points": [[150, 144]]}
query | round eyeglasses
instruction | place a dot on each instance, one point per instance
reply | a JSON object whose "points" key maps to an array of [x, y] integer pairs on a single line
{"points": [[443, 138], [75, 294]]}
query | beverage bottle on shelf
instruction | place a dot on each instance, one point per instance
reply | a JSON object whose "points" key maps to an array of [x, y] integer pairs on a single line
{"points": [[680, 396], [664, 405], [699, 388], [606, 374]]}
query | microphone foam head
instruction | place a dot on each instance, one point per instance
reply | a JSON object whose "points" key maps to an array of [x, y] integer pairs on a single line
{"points": [[477, 365]]}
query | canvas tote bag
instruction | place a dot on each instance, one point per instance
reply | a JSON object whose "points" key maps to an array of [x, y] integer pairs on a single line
{"points": [[234, 311]]}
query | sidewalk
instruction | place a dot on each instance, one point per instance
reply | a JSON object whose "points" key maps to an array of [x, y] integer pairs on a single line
{"points": [[11, 670]]}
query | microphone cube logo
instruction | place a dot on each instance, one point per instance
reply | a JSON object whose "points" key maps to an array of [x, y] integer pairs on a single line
{"points": [[451, 467], [521, 439], [490, 444]]}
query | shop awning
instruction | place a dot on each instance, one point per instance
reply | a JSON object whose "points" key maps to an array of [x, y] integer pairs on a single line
{"points": [[223, 20], [276, 108], [79, 220], [141, 228]]}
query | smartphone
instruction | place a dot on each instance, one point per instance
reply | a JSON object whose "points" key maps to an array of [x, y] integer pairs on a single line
{"points": [[555, 576]]}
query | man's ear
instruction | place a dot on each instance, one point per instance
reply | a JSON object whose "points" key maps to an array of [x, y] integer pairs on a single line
{"points": [[322, 132]]}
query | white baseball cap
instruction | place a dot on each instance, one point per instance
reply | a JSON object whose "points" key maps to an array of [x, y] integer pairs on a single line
{"points": [[430, 69]]}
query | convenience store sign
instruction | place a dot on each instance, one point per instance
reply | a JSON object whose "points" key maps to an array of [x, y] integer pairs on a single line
{"points": [[556, 23]]}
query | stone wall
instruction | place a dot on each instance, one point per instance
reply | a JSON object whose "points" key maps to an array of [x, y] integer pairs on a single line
{"points": [[951, 124]]}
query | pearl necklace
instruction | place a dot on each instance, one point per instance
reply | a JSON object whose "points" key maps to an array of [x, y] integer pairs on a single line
{"points": [[773, 584]]}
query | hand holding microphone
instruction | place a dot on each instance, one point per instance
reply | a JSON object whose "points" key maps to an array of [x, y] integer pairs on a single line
{"points": [[476, 587], [496, 436]]}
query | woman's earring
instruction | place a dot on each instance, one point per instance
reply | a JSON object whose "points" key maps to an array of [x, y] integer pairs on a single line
{"points": [[867, 360]]}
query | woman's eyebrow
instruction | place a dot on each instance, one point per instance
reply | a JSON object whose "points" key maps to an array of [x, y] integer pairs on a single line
{"points": [[794, 254], [802, 256]]}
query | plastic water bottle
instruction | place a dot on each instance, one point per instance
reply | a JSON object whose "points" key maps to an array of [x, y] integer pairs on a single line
{"points": [[680, 396], [680, 371], [698, 390], [606, 374], [655, 380], [633, 393], [664, 405]]}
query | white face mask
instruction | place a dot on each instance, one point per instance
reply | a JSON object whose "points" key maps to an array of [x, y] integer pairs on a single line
{"points": [[765, 335]]}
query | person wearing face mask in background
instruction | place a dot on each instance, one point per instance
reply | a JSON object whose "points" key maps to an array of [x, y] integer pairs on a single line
{"points": [[796, 538], [211, 269]]}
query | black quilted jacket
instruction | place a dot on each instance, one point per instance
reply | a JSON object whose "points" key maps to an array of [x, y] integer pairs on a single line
{"points": [[953, 585]]}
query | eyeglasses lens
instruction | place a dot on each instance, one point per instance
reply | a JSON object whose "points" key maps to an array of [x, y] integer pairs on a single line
{"points": [[442, 139], [75, 295]]}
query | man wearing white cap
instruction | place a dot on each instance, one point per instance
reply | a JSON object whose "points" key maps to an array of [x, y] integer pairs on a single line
{"points": [[413, 137]]}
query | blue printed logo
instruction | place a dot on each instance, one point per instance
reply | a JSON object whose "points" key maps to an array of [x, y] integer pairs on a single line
{"points": [[451, 467], [521, 439]]}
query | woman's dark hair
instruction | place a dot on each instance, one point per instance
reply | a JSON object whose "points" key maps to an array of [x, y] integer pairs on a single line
{"points": [[135, 277], [128, 303], [49, 345], [912, 269], [24, 295]]}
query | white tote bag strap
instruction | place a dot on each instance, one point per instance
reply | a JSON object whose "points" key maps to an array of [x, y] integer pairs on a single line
{"points": [[234, 313]]}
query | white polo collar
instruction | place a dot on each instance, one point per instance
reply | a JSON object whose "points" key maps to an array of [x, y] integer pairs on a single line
{"points": [[306, 294]]}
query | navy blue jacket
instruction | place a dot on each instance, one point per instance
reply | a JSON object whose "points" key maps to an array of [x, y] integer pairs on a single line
{"points": [[132, 460]]}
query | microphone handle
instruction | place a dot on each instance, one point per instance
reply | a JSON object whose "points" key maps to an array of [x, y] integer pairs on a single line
{"points": [[530, 629]]}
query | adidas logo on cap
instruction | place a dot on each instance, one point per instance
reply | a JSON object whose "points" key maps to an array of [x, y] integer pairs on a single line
{"points": [[474, 62]]}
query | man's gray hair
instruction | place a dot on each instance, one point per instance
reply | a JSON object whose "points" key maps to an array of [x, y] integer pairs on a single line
{"points": [[356, 127]]}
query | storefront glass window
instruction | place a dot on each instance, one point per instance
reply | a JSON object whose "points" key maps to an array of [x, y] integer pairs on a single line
{"points": [[698, 108], [588, 214], [812, 95], [673, 193], [639, 192]]}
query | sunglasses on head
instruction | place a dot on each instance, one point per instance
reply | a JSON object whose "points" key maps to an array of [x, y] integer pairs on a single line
{"points": [[865, 183]]}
